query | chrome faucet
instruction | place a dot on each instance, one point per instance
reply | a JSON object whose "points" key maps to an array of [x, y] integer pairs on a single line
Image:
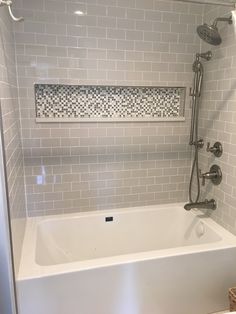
{"points": [[206, 205]]}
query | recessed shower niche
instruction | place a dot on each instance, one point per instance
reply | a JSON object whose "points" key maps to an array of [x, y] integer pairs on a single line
{"points": [[58, 103]]}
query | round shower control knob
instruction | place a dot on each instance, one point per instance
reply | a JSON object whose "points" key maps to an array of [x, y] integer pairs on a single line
{"points": [[216, 149], [215, 175]]}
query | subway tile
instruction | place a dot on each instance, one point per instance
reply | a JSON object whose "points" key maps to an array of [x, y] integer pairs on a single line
{"points": [[34, 27], [147, 5], [64, 18], [38, 6], [106, 43], [126, 4], [144, 25], [72, 7], [55, 6], [117, 42], [115, 54], [74, 52], [97, 32], [117, 12], [56, 51], [55, 29], [74, 30], [125, 24], [153, 15], [37, 50], [97, 10], [135, 14], [125, 45], [96, 54], [134, 35], [171, 17]]}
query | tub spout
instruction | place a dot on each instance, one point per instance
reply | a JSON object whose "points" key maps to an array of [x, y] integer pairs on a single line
{"points": [[206, 204]]}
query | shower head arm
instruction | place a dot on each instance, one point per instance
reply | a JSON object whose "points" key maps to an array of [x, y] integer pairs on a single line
{"points": [[223, 19], [205, 55]]}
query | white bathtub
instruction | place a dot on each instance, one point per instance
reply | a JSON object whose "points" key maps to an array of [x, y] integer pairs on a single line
{"points": [[149, 260]]}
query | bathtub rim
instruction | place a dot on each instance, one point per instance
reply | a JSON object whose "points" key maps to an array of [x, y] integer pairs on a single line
{"points": [[29, 269]]}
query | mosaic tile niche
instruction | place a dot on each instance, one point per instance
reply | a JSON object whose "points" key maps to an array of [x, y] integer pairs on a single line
{"points": [[108, 103]]}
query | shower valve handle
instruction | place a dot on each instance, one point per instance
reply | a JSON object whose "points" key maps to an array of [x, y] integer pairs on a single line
{"points": [[202, 177], [216, 149], [215, 175], [208, 175]]}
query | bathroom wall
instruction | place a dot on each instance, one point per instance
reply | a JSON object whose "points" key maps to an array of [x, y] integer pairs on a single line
{"points": [[10, 124], [218, 119], [86, 166]]}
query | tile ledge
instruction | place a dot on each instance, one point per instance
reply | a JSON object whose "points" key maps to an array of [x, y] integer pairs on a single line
{"points": [[97, 120]]}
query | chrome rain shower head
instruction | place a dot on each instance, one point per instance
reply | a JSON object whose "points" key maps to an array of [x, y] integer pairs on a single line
{"points": [[210, 33]]}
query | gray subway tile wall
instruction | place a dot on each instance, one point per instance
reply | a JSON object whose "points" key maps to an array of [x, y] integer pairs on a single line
{"points": [[10, 124], [79, 167], [218, 117]]}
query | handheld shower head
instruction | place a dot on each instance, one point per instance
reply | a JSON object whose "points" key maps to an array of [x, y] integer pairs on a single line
{"points": [[210, 33]]}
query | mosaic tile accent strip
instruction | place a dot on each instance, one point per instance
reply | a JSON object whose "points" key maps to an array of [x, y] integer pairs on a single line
{"points": [[108, 102]]}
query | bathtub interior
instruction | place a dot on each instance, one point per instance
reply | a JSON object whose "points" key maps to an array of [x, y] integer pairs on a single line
{"points": [[95, 235], [153, 259]]}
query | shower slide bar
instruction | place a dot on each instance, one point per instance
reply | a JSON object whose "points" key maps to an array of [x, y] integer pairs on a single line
{"points": [[8, 3], [221, 3]]}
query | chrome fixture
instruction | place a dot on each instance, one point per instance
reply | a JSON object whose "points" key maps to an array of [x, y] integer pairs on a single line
{"points": [[206, 205], [216, 149], [210, 33], [195, 93], [215, 175], [205, 55], [8, 3]]}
